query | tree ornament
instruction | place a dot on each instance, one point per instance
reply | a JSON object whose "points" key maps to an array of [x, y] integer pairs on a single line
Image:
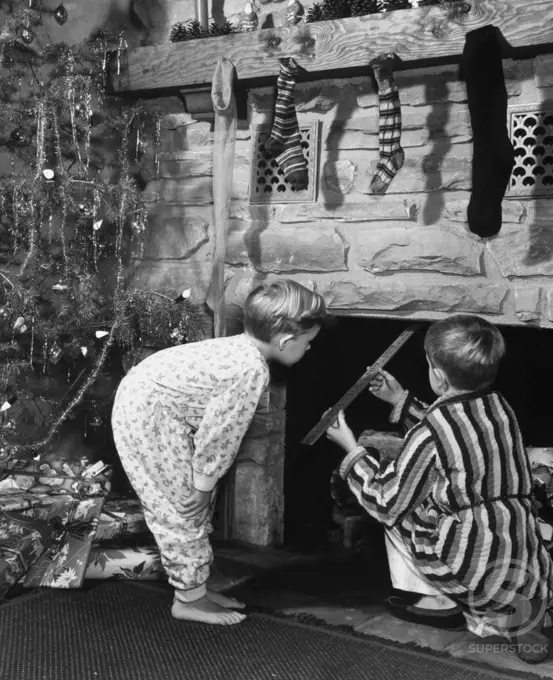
{"points": [[48, 173], [20, 137], [19, 323], [294, 13], [81, 111], [248, 19], [60, 14], [26, 35], [55, 353], [4, 313]]}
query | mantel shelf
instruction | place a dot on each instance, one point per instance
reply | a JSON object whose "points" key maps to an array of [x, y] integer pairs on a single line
{"points": [[416, 35]]}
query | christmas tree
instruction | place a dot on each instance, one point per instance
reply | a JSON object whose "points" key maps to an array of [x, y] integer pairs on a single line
{"points": [[72, 217]]}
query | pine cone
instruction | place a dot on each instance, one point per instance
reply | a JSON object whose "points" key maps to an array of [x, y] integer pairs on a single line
{"points": [[195, 30], [360, 8], [225, 29], [336, 9], [178, 32], [392, 5], [314, 13]]}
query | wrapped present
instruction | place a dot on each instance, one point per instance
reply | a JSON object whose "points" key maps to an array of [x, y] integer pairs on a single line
{"points": [[22, 541], [63, 564], [59, 477], [18, 500], [120, 518], [125, 560]]}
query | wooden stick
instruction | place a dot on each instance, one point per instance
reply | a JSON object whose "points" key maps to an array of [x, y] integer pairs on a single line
{"points": [[330, 416]]}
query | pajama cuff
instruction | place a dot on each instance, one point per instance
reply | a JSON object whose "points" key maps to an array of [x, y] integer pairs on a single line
{"points": [[349, 461], [204, 482], [190, 595], [397, 412]]}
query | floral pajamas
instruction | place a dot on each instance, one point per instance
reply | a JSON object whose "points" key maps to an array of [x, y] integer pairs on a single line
{"points": [[178, 420]]}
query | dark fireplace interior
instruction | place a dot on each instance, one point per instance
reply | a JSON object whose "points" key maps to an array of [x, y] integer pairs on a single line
{"points": [[338, 357]]}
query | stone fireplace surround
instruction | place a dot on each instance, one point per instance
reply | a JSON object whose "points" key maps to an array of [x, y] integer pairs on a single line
{"points": [[407, 255]]}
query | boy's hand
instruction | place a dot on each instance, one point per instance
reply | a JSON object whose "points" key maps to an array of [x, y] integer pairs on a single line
{"points": [[386, 387], [340, 433], [196, 503]]}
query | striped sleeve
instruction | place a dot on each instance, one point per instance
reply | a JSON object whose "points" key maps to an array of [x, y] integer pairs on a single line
{"points": [[390, 492], [408, 411]]}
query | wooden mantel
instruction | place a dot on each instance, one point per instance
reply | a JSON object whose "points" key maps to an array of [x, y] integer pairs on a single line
{"points": [[415, 35]]}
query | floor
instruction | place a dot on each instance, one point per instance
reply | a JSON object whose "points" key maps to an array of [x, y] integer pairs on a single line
{"points": [[346, 589]]}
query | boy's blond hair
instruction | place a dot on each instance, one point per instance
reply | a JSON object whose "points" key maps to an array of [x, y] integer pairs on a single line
{"points": [[467, 348], [283, 306]]}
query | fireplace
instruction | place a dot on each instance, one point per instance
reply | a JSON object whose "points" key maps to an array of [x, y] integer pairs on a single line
{"points": [[337, 359]]}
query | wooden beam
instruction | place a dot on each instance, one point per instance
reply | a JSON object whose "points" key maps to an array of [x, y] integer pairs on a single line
{"points": [[421, 34]]}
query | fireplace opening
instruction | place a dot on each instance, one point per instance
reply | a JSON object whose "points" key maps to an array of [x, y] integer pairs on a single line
{"points": [[338, 357]]}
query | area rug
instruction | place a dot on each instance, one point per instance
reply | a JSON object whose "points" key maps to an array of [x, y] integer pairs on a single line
{"points": [[120, 631]]}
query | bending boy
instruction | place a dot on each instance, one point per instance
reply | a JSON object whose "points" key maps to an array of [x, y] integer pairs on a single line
{"points": [[179, 418]]}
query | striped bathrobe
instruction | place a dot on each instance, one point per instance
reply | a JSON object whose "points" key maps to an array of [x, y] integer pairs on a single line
{"points": [[459, 494]]}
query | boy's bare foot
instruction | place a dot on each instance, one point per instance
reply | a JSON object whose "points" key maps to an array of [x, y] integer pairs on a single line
{"points": [[224, 601], [205, 611]]}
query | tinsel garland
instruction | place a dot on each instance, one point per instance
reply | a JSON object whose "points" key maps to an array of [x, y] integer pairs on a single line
{"points": [[66, 224]]}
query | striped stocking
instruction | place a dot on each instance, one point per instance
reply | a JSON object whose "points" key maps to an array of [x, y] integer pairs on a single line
{"points": [[389, 127], [284, 142]]}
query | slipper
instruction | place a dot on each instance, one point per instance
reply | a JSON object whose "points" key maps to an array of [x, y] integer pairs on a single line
{"points": [[445, 619]]}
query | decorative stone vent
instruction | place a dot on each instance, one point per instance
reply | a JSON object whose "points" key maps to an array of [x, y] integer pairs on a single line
{"points": [[531, 132], [267, 181]]}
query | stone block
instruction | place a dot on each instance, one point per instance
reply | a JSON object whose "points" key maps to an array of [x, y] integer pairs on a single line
{"points": [[258, 506], [173, 274], [338, 176], [524, 250], [266, 451], [403, 296], [420, 126], [528, 304], [174, 234], [374, 209], [543, 70], [186, 137], [186, 164], [195, 191], [287, 249], [424, 249], [455, 211], [241, 286], [423, 172]]}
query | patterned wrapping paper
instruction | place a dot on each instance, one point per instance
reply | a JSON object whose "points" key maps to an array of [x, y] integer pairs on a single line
{"points": [[121, 518], [22, 541], [19, 500], [63, 564], [120, 560]]}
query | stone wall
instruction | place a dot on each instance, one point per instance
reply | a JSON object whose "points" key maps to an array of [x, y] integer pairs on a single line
{"points": [[407, 253]]}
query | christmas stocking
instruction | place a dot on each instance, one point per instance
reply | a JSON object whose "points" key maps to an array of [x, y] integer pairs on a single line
{"points": [[284, 142], [389, 126], [493, 154]]}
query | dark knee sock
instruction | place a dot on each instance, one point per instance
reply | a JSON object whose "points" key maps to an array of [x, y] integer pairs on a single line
{"points": [[284, 142], [493, 155]]}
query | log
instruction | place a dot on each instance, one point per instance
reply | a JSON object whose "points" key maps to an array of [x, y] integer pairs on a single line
{"points": [[415, 35]]}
